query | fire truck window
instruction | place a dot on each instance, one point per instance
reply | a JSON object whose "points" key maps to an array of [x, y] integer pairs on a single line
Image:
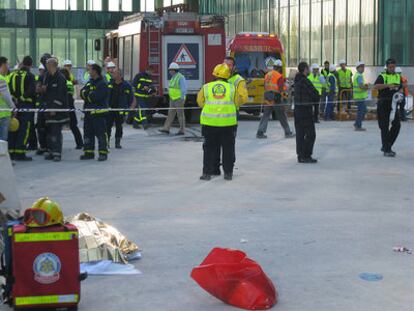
{"points": [[252, 64]]}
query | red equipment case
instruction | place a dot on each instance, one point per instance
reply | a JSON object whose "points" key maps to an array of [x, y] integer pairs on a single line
{"points": [[46, 268]]}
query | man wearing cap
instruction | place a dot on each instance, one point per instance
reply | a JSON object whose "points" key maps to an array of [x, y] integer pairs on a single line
{"points": [[86, 75], [331, 92], [360, 93], [177, 92], [344, 83], [67, 64], [275, 87], [144, 88], [319, 83], [388, 84]]}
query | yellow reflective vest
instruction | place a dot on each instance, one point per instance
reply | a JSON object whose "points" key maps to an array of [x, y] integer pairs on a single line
{"points": [[220, 108], [174, 89], [344, 78], [359, 93], [3, 103], [316, 81]]}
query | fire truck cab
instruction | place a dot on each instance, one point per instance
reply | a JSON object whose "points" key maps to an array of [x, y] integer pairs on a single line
{"points": [[250, 51], [195, 42]]}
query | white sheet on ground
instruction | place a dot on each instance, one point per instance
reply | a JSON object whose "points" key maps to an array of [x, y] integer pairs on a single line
{"points": [[107, 267]]}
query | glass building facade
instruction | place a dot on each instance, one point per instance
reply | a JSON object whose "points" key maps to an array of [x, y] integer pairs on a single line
{"points": [[66, 28], [319, 30]]}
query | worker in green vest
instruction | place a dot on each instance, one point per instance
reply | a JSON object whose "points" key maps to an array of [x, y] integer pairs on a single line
{"points": [[237, 80], [344, 84], [319, 83], [86, 76], [177, 92], [6, 101], [331, 93], [219, 102], [67, 64], [109, 68], [388, 84], [360, 93]]}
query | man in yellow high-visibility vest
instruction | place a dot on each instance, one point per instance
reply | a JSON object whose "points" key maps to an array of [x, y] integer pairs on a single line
{"points": [[220, 101], [319, 83], [360, 91]]}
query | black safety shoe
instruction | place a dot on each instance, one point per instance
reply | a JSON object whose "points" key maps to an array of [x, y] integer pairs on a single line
{"points": [[390, 154], [309, 160], [48, 157], [103, 157], [87, 156], [261, 135], [228, 176], [290, 135], [118, 143], [57, 158], [79, 147], [205, 177], [22, 157]]}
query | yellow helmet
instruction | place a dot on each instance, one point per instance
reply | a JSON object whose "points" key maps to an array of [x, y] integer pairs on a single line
{"points": [[14, 125], [222, 71], [44, 212]]}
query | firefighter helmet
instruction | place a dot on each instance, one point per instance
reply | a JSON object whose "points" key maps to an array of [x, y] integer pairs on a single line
{"points": [[222, 71], [14, 125], [44, 212]]}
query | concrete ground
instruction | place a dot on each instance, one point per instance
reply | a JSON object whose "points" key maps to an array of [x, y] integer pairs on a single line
{"points": [[313, 228]]}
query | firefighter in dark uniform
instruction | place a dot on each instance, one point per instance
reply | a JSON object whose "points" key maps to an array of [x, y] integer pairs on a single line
{"points": [[22, 87], [95, 95], [73, 120], [144, 88], [388, 83], [55, 97], [120, 96]]}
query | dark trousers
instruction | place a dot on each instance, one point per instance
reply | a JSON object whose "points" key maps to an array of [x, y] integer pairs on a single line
{"points": [[117, 118], [18, 140], [41, 130], [141, 116], [219, 140], [32, 143], [305, 136], [54, 138], [94, 125], [316, 111], [388, 135], [345, 97], [73, 124]]}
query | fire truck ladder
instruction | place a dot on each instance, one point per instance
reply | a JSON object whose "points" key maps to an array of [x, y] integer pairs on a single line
{"points": [[154, 52]]}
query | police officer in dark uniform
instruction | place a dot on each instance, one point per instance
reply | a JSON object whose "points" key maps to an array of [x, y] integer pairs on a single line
{"points": [[144, 87], [305, 95], [388, 83], [95, 95], [22, 87], [120, 96], [56, 98]]}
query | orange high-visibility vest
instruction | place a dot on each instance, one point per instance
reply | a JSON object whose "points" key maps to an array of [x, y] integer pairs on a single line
{"points": [[272, 81]]}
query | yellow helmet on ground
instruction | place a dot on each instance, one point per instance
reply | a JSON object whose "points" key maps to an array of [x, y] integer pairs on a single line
{"points": [[222, 71], [44, 212], [14, 125]]}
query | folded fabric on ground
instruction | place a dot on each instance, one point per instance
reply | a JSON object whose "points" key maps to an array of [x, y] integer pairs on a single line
{"points": [[107, 267], [100, 241]]}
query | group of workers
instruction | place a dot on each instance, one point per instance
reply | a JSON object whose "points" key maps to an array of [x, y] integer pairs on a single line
{"points": [[220, 100]]}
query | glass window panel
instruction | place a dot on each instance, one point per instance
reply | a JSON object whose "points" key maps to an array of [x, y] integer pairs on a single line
{"points": [[77, 50], [113, 5], [293, 33], [410, 33], [73, 4], [6, 37], [340, 30], [239, 15], [247, 16], [284, 23], [43, 40], [94, 5], [127, 58], [22, 43], [353, 31], [60, 44], [316, 37], [126, 5], [274, 17], [255, 15], [304, 30], [135, 57], [60, 4], [327, 41], [367, 31], [265, 16], [43, 4], [94, 34], [121, 53]]}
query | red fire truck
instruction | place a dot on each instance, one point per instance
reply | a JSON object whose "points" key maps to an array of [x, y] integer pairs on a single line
{"points": [[195, 42]]}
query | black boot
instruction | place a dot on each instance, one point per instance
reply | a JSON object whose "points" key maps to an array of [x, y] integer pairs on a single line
{"points": [[87, 156], [205, 177], [21, 157], [118, 143], [228, 176], [103, 157]]}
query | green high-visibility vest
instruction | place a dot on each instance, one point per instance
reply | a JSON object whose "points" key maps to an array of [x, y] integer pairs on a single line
{"points": [[345, 78], [358, 92], [219, 109], [69, 86], [3, 104], [235, 80], [391, 78], [328, 84], [316, 81], [174, 89]]}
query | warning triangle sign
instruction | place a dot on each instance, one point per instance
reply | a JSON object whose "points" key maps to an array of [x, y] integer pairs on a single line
{"points": [[184, 56]]}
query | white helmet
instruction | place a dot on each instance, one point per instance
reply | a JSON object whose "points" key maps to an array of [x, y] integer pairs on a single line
{"points": [[41, 67], [91, 62], [342, 62], [360, 63], [315, 66], [173, 66], [67, 62], [110, 65], [278, 63], [398, 70], [332, 68]]}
